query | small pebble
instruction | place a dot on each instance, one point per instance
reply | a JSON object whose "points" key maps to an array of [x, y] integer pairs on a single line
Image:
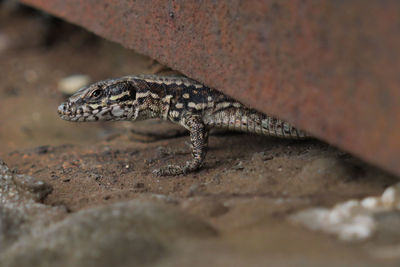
{"points": [[139, 185], [31, 76], [391, 197], [238, 166], [370, 203], [69, 85], [359, 228]]}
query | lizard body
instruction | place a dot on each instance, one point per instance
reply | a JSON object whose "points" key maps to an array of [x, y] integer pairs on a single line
{"points": [[177, 99]]}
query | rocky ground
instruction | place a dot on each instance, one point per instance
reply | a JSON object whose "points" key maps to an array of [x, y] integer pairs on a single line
{"points": [[84, 194]]}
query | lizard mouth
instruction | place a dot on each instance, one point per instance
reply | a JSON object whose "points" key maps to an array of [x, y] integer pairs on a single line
{"points": [[71, 112]]}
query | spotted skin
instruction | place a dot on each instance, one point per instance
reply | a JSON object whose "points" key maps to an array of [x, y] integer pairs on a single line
{"points": [[177, 99]]}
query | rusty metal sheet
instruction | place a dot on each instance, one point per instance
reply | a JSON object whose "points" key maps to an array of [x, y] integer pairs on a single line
{"points": [[329, 67]]}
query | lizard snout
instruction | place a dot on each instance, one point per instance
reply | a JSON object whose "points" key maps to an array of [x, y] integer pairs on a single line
{"points": [[62, 109], [65, 109]]}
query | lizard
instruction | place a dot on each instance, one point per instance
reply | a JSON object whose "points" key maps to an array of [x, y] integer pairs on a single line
{"points": [[180, 100]]}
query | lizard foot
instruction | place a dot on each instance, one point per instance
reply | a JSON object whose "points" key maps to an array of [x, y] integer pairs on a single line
{"points": [[169, 170], [174, 170]]}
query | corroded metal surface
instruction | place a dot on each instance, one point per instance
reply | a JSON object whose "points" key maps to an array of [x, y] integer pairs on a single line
{"points": [[329, 67]]}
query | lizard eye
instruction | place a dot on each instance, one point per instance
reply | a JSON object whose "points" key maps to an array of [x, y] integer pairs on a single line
{"points": [[96, 93]]}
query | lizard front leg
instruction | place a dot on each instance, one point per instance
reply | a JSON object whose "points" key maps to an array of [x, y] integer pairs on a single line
{"points": [[199, 144]]}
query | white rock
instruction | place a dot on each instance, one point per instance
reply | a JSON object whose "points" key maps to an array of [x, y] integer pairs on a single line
{"points": [[352, 220], [357, 230], [391, 197], [371, 203], [336, 216], [69, 85], [388, 197], [345, 210]]}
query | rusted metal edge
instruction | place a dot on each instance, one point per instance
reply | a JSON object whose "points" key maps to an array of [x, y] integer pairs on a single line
{"points": [[330, 67]]}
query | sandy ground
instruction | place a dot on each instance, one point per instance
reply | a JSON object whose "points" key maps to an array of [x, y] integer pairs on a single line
{"points": [[246, 190]]}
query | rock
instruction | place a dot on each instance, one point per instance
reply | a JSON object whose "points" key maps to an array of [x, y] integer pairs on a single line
{"points": [[69, 85], [20, 212], [391, 197], [133, 233], [371, 203], [17, 189]]}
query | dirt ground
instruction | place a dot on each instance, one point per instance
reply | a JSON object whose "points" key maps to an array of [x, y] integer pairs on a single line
{"points": [[246, 190]]}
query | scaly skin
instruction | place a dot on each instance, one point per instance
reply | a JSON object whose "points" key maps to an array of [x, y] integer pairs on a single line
{"points": [[177, 99]]}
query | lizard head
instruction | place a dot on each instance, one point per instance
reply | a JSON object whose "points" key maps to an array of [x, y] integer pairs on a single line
{"points": [[113, 99]]}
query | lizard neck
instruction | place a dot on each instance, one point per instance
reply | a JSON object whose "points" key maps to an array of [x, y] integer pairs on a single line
{"points": [[150, 108]]}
